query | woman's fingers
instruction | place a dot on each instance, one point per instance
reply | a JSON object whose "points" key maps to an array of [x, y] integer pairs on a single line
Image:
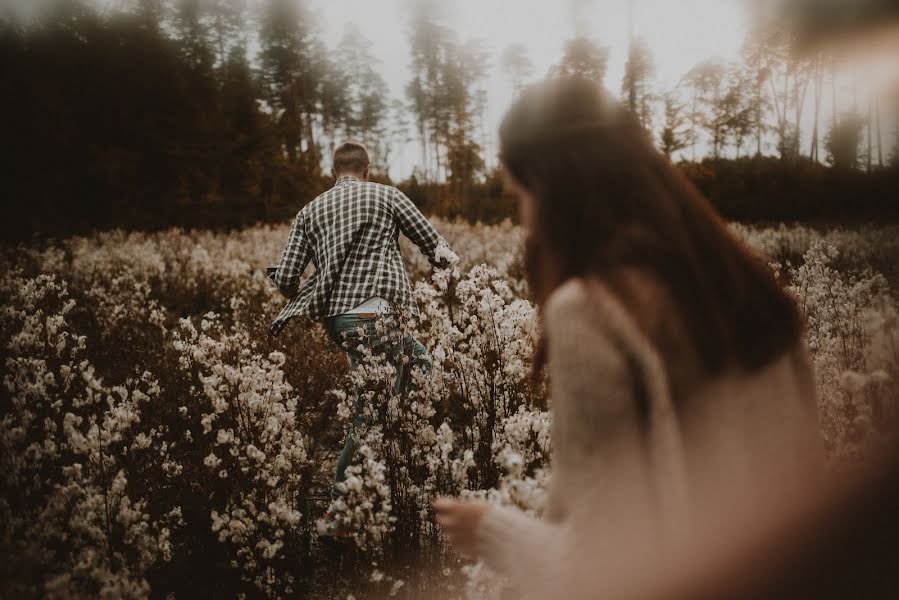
{"points": [[444, 520], [446, 510], [448, 517], [459, 521], [443, 504]]}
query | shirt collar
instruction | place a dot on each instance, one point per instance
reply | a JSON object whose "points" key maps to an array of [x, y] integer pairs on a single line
{"points": [[345, 178]]}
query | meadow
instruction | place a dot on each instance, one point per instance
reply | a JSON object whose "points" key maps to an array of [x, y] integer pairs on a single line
{"points": [[158, 441]]}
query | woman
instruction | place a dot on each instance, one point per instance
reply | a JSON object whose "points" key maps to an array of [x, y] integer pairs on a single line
{"points": [[681, 391]]}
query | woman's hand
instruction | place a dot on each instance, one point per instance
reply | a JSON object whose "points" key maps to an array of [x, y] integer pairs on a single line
{"points": [[460, 521]]}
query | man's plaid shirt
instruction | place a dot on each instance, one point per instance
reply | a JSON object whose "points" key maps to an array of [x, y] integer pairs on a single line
{"points": [[351, 235]]}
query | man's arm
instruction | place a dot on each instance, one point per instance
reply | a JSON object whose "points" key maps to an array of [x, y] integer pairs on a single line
{"points": [[296, 255], [417, 228]]}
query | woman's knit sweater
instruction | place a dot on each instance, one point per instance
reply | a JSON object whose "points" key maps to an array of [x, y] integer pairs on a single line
{"points": [[632, 474]]}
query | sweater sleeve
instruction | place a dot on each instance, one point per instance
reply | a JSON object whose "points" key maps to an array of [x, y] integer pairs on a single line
{"points": [[528, 551], [594, 427]]}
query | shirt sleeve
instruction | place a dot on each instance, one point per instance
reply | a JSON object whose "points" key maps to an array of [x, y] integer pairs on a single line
{"points": [[416, 227], [296, 255]]}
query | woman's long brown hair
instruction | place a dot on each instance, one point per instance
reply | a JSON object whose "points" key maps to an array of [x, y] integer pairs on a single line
{"points": [[607, 200]]}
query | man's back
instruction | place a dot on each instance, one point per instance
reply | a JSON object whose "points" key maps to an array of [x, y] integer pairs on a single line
{"points": [[351, 234]]}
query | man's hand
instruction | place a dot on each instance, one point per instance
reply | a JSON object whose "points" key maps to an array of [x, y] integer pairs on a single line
{"points": [[444, 257], [460, 521]]}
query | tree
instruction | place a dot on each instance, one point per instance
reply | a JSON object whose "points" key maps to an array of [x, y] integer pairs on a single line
{"points": [[290, 76], [149, 13], [517, 66], [736, 109], [464, 161], [465, 66], [192, 32], [894, 102], [335, 110], [429, 41], [249, 146], [400, 130], [582, 57], [790, 76], [444, 97], [673, 137], [879, 131], [226, 29], [161, 135], [365, 89], [709, 110], [818, 78], [844, 140], [894, 155], [635, 85], [874, 126], [757, 72]]}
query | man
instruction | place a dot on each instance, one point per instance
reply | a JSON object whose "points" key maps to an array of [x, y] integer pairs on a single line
{"points": [[351, 234]]}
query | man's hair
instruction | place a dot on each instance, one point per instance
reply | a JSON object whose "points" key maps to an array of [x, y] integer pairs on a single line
{"points": [[350, 157]]}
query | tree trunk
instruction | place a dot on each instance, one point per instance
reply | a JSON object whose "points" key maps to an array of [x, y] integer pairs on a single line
{"points": [[290, 125], [694, 133], [877, 125], [785, 124], [780, 113], [313, 147], [833, 89], [813, 154], [870, 130], [423, 139], [758, 116], [800, 87]]}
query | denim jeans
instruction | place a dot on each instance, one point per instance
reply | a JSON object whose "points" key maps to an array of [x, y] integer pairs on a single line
{"points": [[349, 331]]}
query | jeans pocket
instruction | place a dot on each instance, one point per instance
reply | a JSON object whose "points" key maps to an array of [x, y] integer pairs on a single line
{"points": [[349, 331]]}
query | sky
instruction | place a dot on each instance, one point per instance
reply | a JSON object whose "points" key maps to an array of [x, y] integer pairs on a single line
{"points": [[679, 33]]}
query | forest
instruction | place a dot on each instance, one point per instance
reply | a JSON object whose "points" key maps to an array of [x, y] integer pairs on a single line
{"points": [[223, 113]]}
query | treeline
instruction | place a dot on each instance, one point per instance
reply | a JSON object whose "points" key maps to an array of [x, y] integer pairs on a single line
{"points": [[220, 113], [190, 113], [767, 189], [758, 189]]}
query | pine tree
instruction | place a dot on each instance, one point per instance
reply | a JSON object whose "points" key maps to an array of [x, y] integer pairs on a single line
{"points": [[709, 112], [516, 65], [636, 88], [366, 90], [736, 109], [429, 41], [673, 138], [291, 76], [844, 141], [757, 73], [226, 29], [582, 57]]}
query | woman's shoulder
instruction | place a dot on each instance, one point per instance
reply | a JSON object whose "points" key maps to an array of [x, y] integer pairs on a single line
{"points": [[577, 308], [635, 301], [579, 295], [572, 294], [635, 313]]}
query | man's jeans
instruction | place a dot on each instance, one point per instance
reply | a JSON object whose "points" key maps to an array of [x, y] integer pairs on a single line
{"points": [[349, 331]]}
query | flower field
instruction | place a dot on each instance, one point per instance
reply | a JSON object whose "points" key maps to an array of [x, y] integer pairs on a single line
{"points": [[157, 440]]}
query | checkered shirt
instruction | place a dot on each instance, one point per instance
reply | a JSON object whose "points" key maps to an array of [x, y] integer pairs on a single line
{"points": [[351, 235]]}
